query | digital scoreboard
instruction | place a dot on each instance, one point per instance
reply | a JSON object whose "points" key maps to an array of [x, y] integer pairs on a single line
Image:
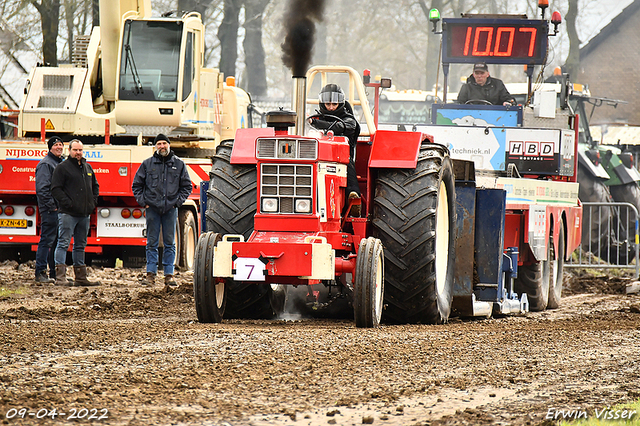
{"points": [[495, 41]]}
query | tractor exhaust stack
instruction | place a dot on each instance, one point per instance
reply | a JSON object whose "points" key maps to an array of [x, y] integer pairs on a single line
{"points": [[299, 102]]}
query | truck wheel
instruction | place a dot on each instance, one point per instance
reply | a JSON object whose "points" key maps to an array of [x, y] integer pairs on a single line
{"points": [[414, 217], [369, 284], [556, 270], [534, 280], [188, 239], [209, 293], [232, 194]]}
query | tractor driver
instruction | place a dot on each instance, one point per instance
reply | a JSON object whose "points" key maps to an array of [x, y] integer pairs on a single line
{"points": [[336, 114], [480, 86]]}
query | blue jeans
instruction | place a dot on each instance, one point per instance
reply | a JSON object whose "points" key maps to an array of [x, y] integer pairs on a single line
{"points": [[167, 221], [46, 245], [78, 227]]}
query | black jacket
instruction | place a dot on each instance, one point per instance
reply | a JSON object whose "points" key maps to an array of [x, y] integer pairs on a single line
{"points": [[75, 187], [493, 91], [349, 126], [44, 173], [162, 182]]}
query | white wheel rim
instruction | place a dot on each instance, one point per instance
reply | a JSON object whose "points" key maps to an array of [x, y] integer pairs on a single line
{"points": [[442, 238], [191, 247], [378, 289], [219, 289]]}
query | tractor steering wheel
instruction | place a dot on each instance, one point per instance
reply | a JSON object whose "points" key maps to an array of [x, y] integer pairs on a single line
{"points": [[335, 118], [477, 102]]}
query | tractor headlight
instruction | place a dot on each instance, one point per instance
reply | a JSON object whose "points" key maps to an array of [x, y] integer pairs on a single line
{"points": [[303, 205], [269, 205]]}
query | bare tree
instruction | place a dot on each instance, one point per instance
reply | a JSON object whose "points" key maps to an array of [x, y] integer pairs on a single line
{"points": [[572, 63], [199, 6], [228, 35], [49, 16], [256, 81]]}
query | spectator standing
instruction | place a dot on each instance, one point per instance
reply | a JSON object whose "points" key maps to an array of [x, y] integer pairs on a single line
{"points": [[75, 187], [161, 185], [48, 208]]}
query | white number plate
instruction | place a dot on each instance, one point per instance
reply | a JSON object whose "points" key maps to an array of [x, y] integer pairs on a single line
{"points": [[248, 269]]}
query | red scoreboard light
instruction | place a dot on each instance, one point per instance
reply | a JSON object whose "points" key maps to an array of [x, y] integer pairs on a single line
{"points": [[503, 41]]}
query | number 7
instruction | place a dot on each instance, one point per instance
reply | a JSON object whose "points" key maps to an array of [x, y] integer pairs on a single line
{"points": [[532, 41]]}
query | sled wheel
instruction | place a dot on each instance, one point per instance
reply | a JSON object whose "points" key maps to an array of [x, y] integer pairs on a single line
{"points": [[556, 270], [209, 292], [369, 283]]}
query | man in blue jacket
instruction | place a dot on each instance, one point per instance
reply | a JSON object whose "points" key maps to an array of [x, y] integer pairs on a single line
{"points": [[75, 188], [48, 209], [161, 185]]}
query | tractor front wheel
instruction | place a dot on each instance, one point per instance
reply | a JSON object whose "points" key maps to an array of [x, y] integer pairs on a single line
{"points": [[369, 283], [209, 292]]}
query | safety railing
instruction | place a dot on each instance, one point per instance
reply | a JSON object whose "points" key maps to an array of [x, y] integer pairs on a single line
{"points": [[609, 238]]}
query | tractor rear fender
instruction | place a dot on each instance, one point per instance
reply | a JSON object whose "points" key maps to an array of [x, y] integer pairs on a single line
{"points": [[592, 169], [396, 150]]}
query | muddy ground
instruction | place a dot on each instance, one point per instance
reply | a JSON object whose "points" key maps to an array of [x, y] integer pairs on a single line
{"points": [[137, 356]]}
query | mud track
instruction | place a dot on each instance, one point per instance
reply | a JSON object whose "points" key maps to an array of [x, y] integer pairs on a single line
{"points": [[139, 357]]}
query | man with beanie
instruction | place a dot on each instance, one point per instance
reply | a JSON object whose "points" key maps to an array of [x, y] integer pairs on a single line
{"points": [[161, 185], [75, 187], [48, 208]]}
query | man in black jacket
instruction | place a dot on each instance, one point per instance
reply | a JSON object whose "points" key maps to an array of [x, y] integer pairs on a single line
{"points": [[161, 185], [481, 86], [336, 115], [48, 209], [75, 188]]}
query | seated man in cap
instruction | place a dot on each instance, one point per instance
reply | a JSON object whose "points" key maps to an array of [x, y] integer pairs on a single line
{"points": [[481, 87]]}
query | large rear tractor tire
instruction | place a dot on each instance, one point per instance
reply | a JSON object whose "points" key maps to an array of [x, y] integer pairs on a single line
{"points": [[209, 293], [188, 239], [556, 270], [232, 194], [628, 193], [231, 206], [597, 222], [414, 217], [369, 284]]}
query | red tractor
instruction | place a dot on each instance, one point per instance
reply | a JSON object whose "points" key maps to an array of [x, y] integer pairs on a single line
{"points": [[274, 212]]}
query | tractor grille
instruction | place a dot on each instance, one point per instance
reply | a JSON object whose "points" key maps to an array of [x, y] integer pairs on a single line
{"points": [[286, 188], [304, 149]]}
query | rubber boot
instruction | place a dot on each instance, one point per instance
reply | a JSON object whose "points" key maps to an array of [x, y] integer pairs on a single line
{"points": [[61, 274], [355, 209], [81, 277]]}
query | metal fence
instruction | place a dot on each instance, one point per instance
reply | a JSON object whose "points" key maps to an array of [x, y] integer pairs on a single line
{"points": [[609, 238]]}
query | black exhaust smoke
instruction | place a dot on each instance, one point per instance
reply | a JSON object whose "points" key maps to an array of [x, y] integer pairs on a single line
{"points": [[300, 26]]}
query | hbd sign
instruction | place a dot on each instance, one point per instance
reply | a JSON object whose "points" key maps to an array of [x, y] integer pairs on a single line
{"points": [[534, 151], [531, 149]]}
